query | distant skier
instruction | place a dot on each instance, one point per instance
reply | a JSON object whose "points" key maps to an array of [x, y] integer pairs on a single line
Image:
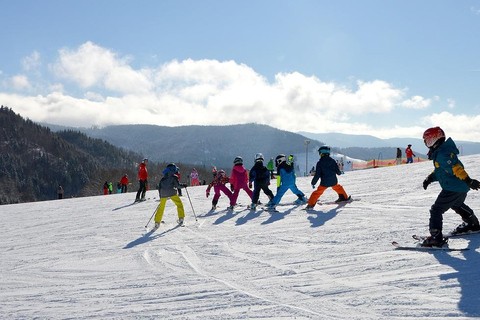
{"points": [[60, 192], [105, 188], [399, 156], [194, 178], [327, 171], [259, 177], [143, 180], [167, 189], [455, 183], [409, 154], [271, 168], [219, 185], [238, 180], [286, 179], [124, 183]]}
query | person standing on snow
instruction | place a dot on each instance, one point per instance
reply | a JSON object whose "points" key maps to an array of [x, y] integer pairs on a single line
{"points": [[143, 180], [455, 183], [399, 156], [238, 180], [285, 181], [124, 183], [259, 176], [60, 192], [105, 188], [271, 167], [409, 153], [167, 189], [327, 171], [194, 177], [219, 184]]}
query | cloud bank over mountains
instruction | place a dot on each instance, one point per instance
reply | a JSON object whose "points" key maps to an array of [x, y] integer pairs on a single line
{"points": [[93, 85]]}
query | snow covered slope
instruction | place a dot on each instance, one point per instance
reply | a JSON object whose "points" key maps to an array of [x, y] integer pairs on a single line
{"points": [[91, 258]]}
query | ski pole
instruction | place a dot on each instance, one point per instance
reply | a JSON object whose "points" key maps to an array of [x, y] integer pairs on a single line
{"points": [[151, 216], [191, 204]]}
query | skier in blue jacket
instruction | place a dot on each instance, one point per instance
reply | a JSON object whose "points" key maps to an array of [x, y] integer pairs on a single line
{"points": [[286, 181], [455, 183]]}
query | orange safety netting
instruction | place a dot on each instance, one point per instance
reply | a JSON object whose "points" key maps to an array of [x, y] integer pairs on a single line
{"points": [[375, 163]]}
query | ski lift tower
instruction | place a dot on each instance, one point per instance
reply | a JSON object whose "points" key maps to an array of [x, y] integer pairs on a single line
{"points": [[307, 142]]}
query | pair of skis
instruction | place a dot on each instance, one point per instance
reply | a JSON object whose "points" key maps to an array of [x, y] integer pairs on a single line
{"points": [[418, 245]]}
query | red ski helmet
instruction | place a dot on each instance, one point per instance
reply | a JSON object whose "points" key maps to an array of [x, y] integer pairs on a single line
{"points": [[432, 135]]}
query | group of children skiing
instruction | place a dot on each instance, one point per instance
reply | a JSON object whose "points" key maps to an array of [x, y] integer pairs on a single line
{"points": [[448, 171]]}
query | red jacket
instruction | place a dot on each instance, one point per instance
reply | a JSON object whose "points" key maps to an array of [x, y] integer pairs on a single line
{"points": [[142, 172], [124, 180], [409, 153]]}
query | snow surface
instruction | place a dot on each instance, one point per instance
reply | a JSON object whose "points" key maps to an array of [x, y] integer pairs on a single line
{"points": [[91, 258]]}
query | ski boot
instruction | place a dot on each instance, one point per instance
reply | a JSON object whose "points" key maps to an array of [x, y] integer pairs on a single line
{"points": [[253, 206], [341, 198], [180, 221], [157, 225], [301, 200], [466, 227], [435, 239], [270, 207]]}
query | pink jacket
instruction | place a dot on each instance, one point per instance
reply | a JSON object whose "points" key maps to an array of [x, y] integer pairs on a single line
{"points": [[239, 177]]}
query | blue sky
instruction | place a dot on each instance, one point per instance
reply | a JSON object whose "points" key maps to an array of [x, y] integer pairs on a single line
{"points": [[384, 68]]}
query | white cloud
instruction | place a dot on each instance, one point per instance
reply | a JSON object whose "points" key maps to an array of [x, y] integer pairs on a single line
{"points": [[93, 96], [460, 127], [416, 102], [20, 82], [93, 66], [31, 62]]}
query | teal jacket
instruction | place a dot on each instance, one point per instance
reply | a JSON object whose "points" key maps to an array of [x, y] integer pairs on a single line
{"points": [[449, 170]]}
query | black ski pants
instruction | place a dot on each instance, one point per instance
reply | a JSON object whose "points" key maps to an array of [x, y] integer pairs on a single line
{"points": [[449, 200]]}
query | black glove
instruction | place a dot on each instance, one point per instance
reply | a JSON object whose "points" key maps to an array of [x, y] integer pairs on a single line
{"points": [[472, 183], [231, 187], [183, 185], [426, 182]]}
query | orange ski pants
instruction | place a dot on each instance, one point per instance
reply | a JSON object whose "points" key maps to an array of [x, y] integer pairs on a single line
{"points": [[321, 189]]}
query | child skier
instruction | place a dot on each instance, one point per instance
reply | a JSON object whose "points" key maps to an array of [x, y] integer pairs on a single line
{"points": [[167, 189], [285, 181], [218, 184], [194, 176], [327, 171], [260, 177], [455, 183], [238, 181]]}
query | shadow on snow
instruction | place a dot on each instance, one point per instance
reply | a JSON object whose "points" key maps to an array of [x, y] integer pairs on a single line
{"points": [[149, 236]]}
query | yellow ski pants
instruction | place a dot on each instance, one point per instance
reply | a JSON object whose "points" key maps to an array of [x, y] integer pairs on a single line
{"points": [[161, 208]]}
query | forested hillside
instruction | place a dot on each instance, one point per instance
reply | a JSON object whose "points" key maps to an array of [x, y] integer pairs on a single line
{"points": [[34, 161]]}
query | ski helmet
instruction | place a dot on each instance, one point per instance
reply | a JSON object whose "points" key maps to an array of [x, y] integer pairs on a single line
{"points": [[279, 159], [221, 172], [324, 150], [259, 157], [432, 136], [238, 160], [172, 168]]}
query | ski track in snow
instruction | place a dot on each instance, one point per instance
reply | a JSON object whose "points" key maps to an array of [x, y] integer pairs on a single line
{"points": [[88, 258]]}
